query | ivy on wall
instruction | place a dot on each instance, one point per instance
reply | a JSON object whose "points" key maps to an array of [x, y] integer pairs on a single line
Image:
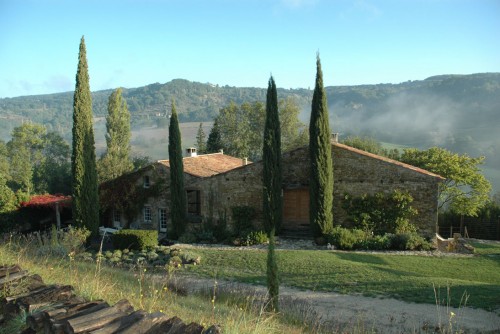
{"points": [[127, 195]]}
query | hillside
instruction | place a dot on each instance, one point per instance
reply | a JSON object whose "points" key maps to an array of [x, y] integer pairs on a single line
{"points": [[458, 112]]}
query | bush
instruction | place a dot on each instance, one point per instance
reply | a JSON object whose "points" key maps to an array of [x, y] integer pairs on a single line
{"points": [[346, 239], [381, 213], [135, 239], [409, 241], [377, 242], [256, 238]]}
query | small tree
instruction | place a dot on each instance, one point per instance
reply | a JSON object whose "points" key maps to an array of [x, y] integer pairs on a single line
{"points": [[200, 140], [320, 150], [177, 193], [83, 160]]}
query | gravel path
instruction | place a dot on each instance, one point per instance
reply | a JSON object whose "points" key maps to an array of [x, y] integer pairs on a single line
{"points": [[345, 313]]}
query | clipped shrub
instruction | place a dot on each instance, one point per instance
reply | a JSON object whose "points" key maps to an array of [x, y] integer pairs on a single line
{"points": [[135, 239], [346, 239]]}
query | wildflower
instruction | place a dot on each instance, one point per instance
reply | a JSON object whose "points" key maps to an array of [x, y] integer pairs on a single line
{"points": [[452, 314]]}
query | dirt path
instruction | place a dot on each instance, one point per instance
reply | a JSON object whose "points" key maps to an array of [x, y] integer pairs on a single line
{"points": [[348, 312]]}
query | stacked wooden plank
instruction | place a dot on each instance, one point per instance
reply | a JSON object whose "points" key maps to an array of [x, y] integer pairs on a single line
{"points": [[56, 309]]}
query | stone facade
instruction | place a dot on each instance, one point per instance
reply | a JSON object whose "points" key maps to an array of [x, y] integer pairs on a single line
{"points": [[355, 172]]}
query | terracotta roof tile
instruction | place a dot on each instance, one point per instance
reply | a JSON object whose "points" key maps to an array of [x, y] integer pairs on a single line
{"points": [[206, 165], [388, 160]]}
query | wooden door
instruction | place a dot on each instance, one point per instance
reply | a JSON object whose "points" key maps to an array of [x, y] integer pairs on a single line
{"points": [[296, 209]]}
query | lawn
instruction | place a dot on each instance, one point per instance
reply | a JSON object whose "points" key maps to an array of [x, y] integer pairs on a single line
{"points": [[406, 277]]}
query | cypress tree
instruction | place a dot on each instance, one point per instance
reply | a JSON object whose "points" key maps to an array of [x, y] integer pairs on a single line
{"points": [[214, 142], [271, 158], [83, 159], [177, 193], [320, 151], [200, 140], [272, 179], [116, 161]]}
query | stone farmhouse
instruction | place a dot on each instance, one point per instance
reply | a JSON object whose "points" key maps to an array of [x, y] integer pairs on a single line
{"points": [[217, 182]]}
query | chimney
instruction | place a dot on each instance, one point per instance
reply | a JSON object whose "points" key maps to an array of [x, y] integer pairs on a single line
{"points": [[335, 137], [221, 151], [245, 161], [191, 152]]}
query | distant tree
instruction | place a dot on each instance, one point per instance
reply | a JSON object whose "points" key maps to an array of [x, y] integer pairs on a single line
{"points": [[371, 145], [116, 160], [200, 140], [294, 133], [54, 173], [39, 161], [465, 190], [8, 201], [177, 192], [320, 150], [214, 142], [272, 179], [4, 161], [25, 153], [83, 159], [241, 128], [141, 161]]}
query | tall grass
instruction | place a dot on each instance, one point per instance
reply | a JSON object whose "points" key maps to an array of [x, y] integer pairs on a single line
{"points": [[149, 290]]}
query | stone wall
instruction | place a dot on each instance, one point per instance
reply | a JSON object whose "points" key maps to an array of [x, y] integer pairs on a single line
{"points": [[354, 173]]}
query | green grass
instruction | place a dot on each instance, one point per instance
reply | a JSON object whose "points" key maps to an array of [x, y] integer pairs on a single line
{"points": [[408, 278], [489, 248], [143, 292]]}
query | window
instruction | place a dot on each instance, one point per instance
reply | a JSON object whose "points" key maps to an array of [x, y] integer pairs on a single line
{"points": [[146, 181], [117, 215], [162, 220], [147, 214], [193, 202]]}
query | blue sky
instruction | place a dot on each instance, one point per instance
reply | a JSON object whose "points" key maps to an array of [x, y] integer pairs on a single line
{"points": [[131, 43]]}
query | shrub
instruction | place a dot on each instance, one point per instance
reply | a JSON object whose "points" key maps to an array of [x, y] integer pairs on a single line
{"points": [[135, 239], [409, 241], [256, 238], [377, 242], [343, 238], [381, 213]]}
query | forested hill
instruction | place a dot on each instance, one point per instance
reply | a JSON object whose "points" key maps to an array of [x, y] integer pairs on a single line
{"points": [[458, 112]]}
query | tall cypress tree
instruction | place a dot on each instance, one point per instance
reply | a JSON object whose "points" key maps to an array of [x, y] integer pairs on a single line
{"points": [[83, 160], [200, 140], [272, 179], [177, 193], [320, 151], [116, 161], [271, 158]]}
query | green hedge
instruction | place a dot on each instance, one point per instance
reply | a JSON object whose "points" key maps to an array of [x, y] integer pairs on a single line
{"points": [[135, 239]]}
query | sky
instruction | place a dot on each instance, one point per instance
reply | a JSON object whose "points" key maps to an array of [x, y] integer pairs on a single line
{"points": [[132, 43]]}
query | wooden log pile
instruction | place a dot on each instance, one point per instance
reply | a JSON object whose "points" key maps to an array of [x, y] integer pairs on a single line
{"points": [[55, 309]]}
